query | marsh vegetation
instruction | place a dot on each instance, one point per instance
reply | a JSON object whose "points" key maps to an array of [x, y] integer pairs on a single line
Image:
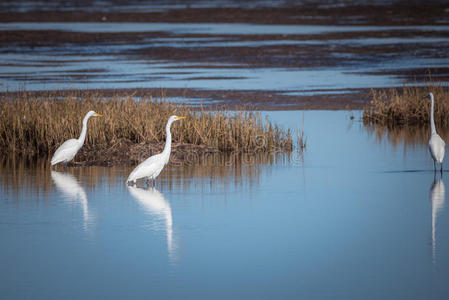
{"points": [[406, 106], [36, 124]]}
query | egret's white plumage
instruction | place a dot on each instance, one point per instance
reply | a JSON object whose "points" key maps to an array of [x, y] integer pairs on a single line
{"points": [[436, 143], [67, 151], [152, 166]]}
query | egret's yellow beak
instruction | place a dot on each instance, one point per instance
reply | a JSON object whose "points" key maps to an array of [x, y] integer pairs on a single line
{"points": [[181, 118], [98, 115]]}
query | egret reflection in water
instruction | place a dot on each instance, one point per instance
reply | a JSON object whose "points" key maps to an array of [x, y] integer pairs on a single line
{"points": [[154, 203], [67, 184], [437, 197]]}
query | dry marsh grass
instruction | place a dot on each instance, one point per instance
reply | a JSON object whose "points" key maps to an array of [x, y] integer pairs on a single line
{"points": [[406, 106], [37, 125]]}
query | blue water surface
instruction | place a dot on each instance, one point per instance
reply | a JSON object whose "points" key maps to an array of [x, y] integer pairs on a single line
{"points": [[354, 217]]}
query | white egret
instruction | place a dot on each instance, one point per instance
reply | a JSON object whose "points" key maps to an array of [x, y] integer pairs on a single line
{"points": [[436, 143], [152, 166], [67, 151]]}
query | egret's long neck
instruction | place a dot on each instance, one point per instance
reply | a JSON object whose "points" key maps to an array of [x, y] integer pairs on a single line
{"points": [[167, 147], [432, 122], [83, 132]]}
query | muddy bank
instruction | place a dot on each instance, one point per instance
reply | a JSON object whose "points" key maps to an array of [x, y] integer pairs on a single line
{"points": [[236, 51], [228, 55], [342, 65], [128, 154], [181, 155], [319, 13], [229, 99]]}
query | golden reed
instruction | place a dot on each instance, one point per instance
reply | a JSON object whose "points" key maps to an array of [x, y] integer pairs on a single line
{"points": [[37, 124], [406, 106]]}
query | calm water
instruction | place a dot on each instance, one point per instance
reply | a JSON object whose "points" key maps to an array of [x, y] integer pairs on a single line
{"points": [[358, 217]]}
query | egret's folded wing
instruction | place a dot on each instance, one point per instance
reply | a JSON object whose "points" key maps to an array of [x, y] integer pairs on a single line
{"points": [[147, 168], [66, 151]]}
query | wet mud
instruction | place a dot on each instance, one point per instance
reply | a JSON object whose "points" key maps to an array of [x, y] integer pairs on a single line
{"points": [[395, 44]]}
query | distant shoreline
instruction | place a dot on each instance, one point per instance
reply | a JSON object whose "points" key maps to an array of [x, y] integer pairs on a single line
{"points": [[230, 99], [248, 52], [350, 13]]}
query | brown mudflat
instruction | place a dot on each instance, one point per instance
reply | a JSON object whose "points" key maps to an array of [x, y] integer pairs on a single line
{"points": [[329, 50]]}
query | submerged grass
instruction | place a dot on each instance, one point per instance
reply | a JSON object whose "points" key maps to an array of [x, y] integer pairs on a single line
{"points": [[406, 106], [38, 124]]}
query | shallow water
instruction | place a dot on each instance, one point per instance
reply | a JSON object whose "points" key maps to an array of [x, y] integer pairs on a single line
{"points": [[358, 216], [122, 63], [208, 28]]}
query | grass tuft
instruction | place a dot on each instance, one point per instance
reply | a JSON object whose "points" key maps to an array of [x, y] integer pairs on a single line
{"points": [[37, 124], [406, 106]]}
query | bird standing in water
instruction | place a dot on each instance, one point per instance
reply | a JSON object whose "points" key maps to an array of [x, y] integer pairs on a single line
{"points": [[67, 151], [436, 143], [152, 166]]}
